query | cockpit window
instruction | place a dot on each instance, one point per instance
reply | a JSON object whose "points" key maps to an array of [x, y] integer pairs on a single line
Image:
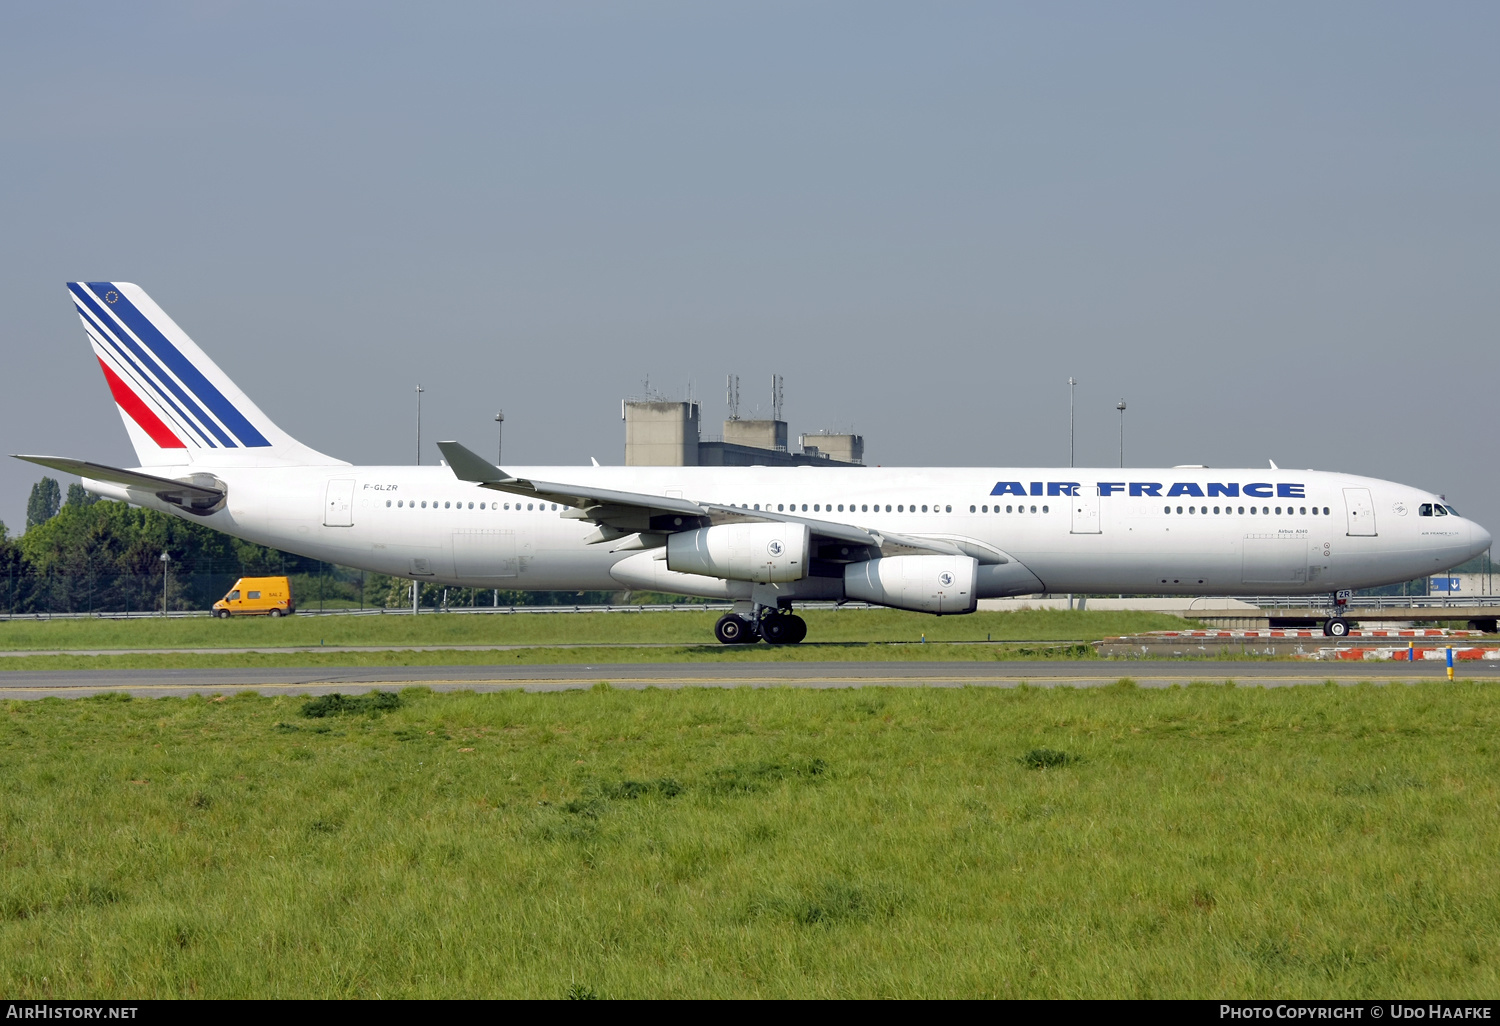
{"points": [[1455, 512], [1439, 510], [1424, 510]]}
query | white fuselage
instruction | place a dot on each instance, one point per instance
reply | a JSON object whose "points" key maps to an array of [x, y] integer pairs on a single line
{"points": [[1222, 532]]}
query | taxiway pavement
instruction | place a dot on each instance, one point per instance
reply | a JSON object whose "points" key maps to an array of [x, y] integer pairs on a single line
{"points": [[26, 684]]}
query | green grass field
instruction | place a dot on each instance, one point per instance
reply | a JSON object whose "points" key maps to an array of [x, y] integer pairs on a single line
{"points": [[693, 628], [1202, 841]]}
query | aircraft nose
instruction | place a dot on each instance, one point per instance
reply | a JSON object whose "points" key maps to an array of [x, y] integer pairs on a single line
{"points": [[1479, 540]]}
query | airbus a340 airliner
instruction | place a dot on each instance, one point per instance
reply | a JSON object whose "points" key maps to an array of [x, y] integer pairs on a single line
{"points": [[930, 539]]}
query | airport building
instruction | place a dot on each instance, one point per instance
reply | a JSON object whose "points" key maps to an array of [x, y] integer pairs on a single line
{"points": [[661, 433]]}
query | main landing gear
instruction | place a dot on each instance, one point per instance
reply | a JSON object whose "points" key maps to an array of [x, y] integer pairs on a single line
{"points": [[733, 629], [776, 626], [780, 628]]}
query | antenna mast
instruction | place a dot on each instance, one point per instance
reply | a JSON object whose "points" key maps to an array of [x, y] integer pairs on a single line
{"points": [[732, 395]]}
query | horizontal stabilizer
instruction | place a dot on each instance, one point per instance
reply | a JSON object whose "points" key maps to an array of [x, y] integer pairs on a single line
{"points": [[197, 497]]}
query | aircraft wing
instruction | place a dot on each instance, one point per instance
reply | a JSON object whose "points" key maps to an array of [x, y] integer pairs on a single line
{"points": [[128, 478], [604, 504], [653, 517]]}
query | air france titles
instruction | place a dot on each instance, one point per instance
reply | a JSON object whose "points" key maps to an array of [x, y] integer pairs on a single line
{"points": [[1137, 489]]}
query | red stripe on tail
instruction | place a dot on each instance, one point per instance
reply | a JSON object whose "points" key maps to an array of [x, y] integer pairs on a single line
{"points": [[139, 411]]}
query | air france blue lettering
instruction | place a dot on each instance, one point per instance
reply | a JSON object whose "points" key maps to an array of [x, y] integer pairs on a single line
{"points": [[1153, 489]]}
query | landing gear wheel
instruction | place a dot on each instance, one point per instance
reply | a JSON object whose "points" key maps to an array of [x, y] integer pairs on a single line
{"points": [[799, 630], [276, 612], [734, 630], [222, 614], [778, 630], [1338, 627]]}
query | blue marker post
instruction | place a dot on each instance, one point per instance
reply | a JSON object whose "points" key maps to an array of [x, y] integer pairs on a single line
{"points": [[1450, 664]]}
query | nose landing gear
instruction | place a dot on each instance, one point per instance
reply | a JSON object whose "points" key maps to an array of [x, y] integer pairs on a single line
{"points": [[1336, 626]]}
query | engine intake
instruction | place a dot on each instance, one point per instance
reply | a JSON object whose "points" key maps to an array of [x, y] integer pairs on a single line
{"points": [[764, 553], [926, 584]]}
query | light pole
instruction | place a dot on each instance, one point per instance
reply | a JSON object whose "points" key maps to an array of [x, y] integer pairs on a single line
{"points": [[419, 424], [499, 435], [1071, 383], [1121, 407], [165, 559]]}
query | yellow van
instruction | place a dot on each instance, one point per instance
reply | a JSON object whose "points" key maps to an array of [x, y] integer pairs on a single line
{"points": [[256, 596]]}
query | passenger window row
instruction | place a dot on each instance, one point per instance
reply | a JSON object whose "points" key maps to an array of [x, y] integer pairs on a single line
{"points": [[1263, 511], [494, 506], [828, 507], [1018, 509]]}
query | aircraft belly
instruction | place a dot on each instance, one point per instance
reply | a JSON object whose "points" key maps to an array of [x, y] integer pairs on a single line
{"points": [[1140, 559]]}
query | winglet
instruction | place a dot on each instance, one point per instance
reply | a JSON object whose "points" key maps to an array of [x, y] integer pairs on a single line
{"points": [[470, 466]]}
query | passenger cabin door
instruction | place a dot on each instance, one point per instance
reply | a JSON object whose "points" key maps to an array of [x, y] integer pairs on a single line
{"points": [[1086, 511], [338, 509], [1361, 511]]}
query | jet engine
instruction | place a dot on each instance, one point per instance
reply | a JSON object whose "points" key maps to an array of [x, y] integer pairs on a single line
{"points": [[764, 553], [926, 584]]}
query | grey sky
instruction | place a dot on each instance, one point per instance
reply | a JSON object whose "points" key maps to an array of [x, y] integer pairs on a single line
{"points": [[1272, 229]]}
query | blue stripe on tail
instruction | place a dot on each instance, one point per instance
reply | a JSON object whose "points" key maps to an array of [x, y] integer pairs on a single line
{"points": [[107, 338], [179, 365], [166, 384]]}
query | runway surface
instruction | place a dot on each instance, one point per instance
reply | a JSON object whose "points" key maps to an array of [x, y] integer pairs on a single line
{"points": [[21, 653], [1053, 673]]}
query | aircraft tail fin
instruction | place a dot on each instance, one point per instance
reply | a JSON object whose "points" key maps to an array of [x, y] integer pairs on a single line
{"points": [[178, 407]]}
